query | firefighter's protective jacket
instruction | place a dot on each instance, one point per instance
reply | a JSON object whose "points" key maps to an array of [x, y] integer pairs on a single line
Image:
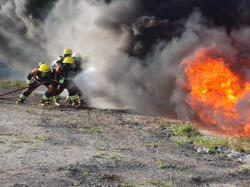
{"points": [[64, 73], [35, 75]]}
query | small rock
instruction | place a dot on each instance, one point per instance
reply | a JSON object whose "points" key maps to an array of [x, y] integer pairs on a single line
{"points": [[235, 154], [227, 151], [240, 159], [200, 150], [206, 150], [247, 159], [219, 150]]}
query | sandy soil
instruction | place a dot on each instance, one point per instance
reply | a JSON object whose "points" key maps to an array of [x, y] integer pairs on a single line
{"points": [[51, 146]]}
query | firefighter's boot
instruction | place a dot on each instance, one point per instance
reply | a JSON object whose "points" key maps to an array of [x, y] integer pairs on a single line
{"points": [[45, 102], [20, 101], [82, 102], [57, 102], [76, 103], [68, 99]]}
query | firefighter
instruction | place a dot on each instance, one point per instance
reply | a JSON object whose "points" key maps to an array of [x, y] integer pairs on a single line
{"points": [[63, 78], [78, 69], [66, 53], [38, 76]]}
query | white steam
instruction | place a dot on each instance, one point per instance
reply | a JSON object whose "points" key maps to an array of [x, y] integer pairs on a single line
{"points": [[113, 77]]}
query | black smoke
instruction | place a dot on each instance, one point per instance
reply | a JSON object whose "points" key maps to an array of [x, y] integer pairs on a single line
{"points": [[20, 35], [21, 21], [135, 47]]}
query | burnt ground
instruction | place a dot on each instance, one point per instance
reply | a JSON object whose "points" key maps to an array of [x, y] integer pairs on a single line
{"points": [[51, 146]]}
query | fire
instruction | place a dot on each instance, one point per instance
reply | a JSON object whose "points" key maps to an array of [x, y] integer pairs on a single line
{"points": [[216, 91]]}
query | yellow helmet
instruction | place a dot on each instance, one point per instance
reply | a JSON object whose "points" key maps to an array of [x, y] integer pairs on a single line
{"points": [[44, 68], [69, 61], [67, 52]]}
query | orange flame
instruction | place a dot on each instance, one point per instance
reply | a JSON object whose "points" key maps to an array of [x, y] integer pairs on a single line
{"points": [[215, 92]]}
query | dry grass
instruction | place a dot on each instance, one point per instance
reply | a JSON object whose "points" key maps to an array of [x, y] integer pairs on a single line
{"points": [[188, 133], [11, 84]]}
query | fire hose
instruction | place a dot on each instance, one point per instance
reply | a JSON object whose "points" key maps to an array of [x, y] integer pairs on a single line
{"points": [[5, 98]]}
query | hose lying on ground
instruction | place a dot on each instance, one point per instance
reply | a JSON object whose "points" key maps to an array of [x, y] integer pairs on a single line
{"points": [[17, 91], [3, 98]]}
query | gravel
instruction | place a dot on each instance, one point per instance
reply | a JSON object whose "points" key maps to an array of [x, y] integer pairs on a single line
{"points": [[51, 146]]}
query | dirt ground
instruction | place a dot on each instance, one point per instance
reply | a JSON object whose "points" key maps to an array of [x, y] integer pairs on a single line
{"points": [[65, 146]]}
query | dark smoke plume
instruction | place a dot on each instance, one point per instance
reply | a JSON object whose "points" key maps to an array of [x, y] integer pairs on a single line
{"points": [[21, 34], [134, 47]]}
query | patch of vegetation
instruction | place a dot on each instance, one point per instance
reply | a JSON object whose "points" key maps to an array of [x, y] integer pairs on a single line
{"points": [[45, 138], [97, 155], [41, 162], [19, 84], [160, 183], [16, 146], [75, 183], [95, 130], [28, 110], [138, 132], [161, 165], [9, 134], [37, 146], [139, 185], [163, 124], [2, 141], [188, 133], [125, 184], [107, 155], [185, 130], [14, 141], [99, 148], [10, 84], [210, 143], [19, 173], [188, 179], [147, 144], [72, 120], [243, 169], [240, 143], [114, 156], [65, 147], [24, 138], [181, 140], [85, 173]]}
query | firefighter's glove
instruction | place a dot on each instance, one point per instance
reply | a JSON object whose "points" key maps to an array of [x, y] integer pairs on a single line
{"points": [[61, 81]]}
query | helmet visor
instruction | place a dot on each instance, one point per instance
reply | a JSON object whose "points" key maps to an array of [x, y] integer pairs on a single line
{"points": [[68, 55], [45, 74], [68, 65]]}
